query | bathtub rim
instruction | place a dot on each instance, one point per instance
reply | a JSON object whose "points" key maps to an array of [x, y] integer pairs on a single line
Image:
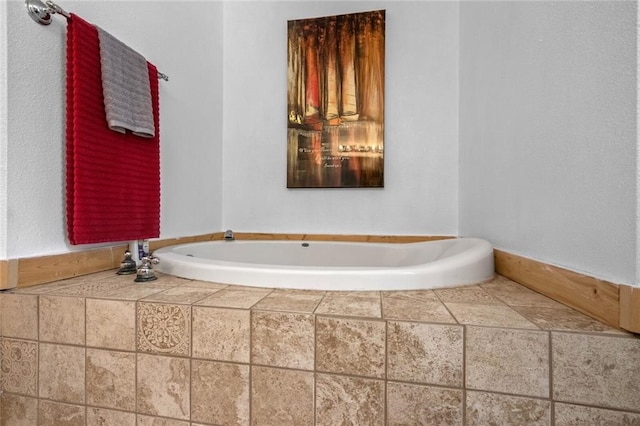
{"points": [[443, 272]]}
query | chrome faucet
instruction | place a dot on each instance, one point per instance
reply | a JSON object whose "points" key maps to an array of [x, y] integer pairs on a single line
{"points": [[128, 265], [228, 235], [145, 271]]}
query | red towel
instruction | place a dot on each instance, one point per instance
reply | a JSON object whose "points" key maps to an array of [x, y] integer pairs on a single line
{"points": [[113, 179]]}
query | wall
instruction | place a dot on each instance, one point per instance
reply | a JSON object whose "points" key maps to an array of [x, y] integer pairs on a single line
{"points": [[548, 162], [546, 165], [637, 221], [184, 43], [3, 130], [421, 172]]}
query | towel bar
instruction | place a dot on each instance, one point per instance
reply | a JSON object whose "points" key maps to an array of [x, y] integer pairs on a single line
{"points": [[41, 12]]}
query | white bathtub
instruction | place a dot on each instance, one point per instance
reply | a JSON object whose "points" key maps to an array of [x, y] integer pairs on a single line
{"points": [[323, 265]]}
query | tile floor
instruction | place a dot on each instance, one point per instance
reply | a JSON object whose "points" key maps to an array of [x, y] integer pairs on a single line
{"points": [[103, 350]]}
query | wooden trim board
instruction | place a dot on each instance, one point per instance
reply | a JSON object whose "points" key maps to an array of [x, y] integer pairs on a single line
{"points": [[596, 298], [39, 270], [8, 273], [337, 237], [156, 244], [630, 308]]}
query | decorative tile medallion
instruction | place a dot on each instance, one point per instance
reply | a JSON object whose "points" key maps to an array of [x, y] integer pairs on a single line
{"points": [[164, 328], [19, 366]]}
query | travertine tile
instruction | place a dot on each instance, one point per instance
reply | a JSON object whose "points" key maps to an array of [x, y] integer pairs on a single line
{"points": [[281, 397], [261, 289], [107, 275], [483, 408], [94, 287], [221, 334], [111, 324], [349, 400], [170, 280], [488, 315], [514, 294], [590, 368], [467, 294], [563, 318], [111, 379], [164, 328], [163, 386], [132, 292], [366, 304], [423, 295], [283, 339], [19, 316], [18, 410], [206, 285], [220, 393], [291, 301], [233, 297], [19, 366], [80, 280], [579, 415], [425, 353], [507, 361], [159, 421], [404, 308], [56, 413], [596, 370], [356, 293], [181, 295], [423, 405], [104, 417], [61, 373], [350, 346], [62, 319], [40, 289]]}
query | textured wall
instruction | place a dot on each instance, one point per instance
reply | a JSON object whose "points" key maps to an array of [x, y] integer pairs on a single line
{"points": [[421, 149], [541, 159], [548, 162], [185, 44], [3, 130]]}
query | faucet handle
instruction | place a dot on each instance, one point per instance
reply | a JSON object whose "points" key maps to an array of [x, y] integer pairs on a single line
{"points": [[150, 259], [145, 271]]}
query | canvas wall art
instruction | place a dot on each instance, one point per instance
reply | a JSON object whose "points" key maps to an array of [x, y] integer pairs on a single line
{"points": [[335, 97]]}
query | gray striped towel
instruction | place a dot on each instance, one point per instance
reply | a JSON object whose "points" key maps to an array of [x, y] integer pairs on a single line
{"points": [[126, 89]]}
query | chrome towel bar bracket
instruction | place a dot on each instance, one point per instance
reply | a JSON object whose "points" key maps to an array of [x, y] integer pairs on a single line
{"points": [[41, 13]]}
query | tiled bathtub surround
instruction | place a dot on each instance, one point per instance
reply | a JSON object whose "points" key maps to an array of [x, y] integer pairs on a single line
{"points": [[101, 349]]}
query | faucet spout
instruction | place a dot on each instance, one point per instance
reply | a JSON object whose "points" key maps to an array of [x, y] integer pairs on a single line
{"points": [[228, 235]]}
